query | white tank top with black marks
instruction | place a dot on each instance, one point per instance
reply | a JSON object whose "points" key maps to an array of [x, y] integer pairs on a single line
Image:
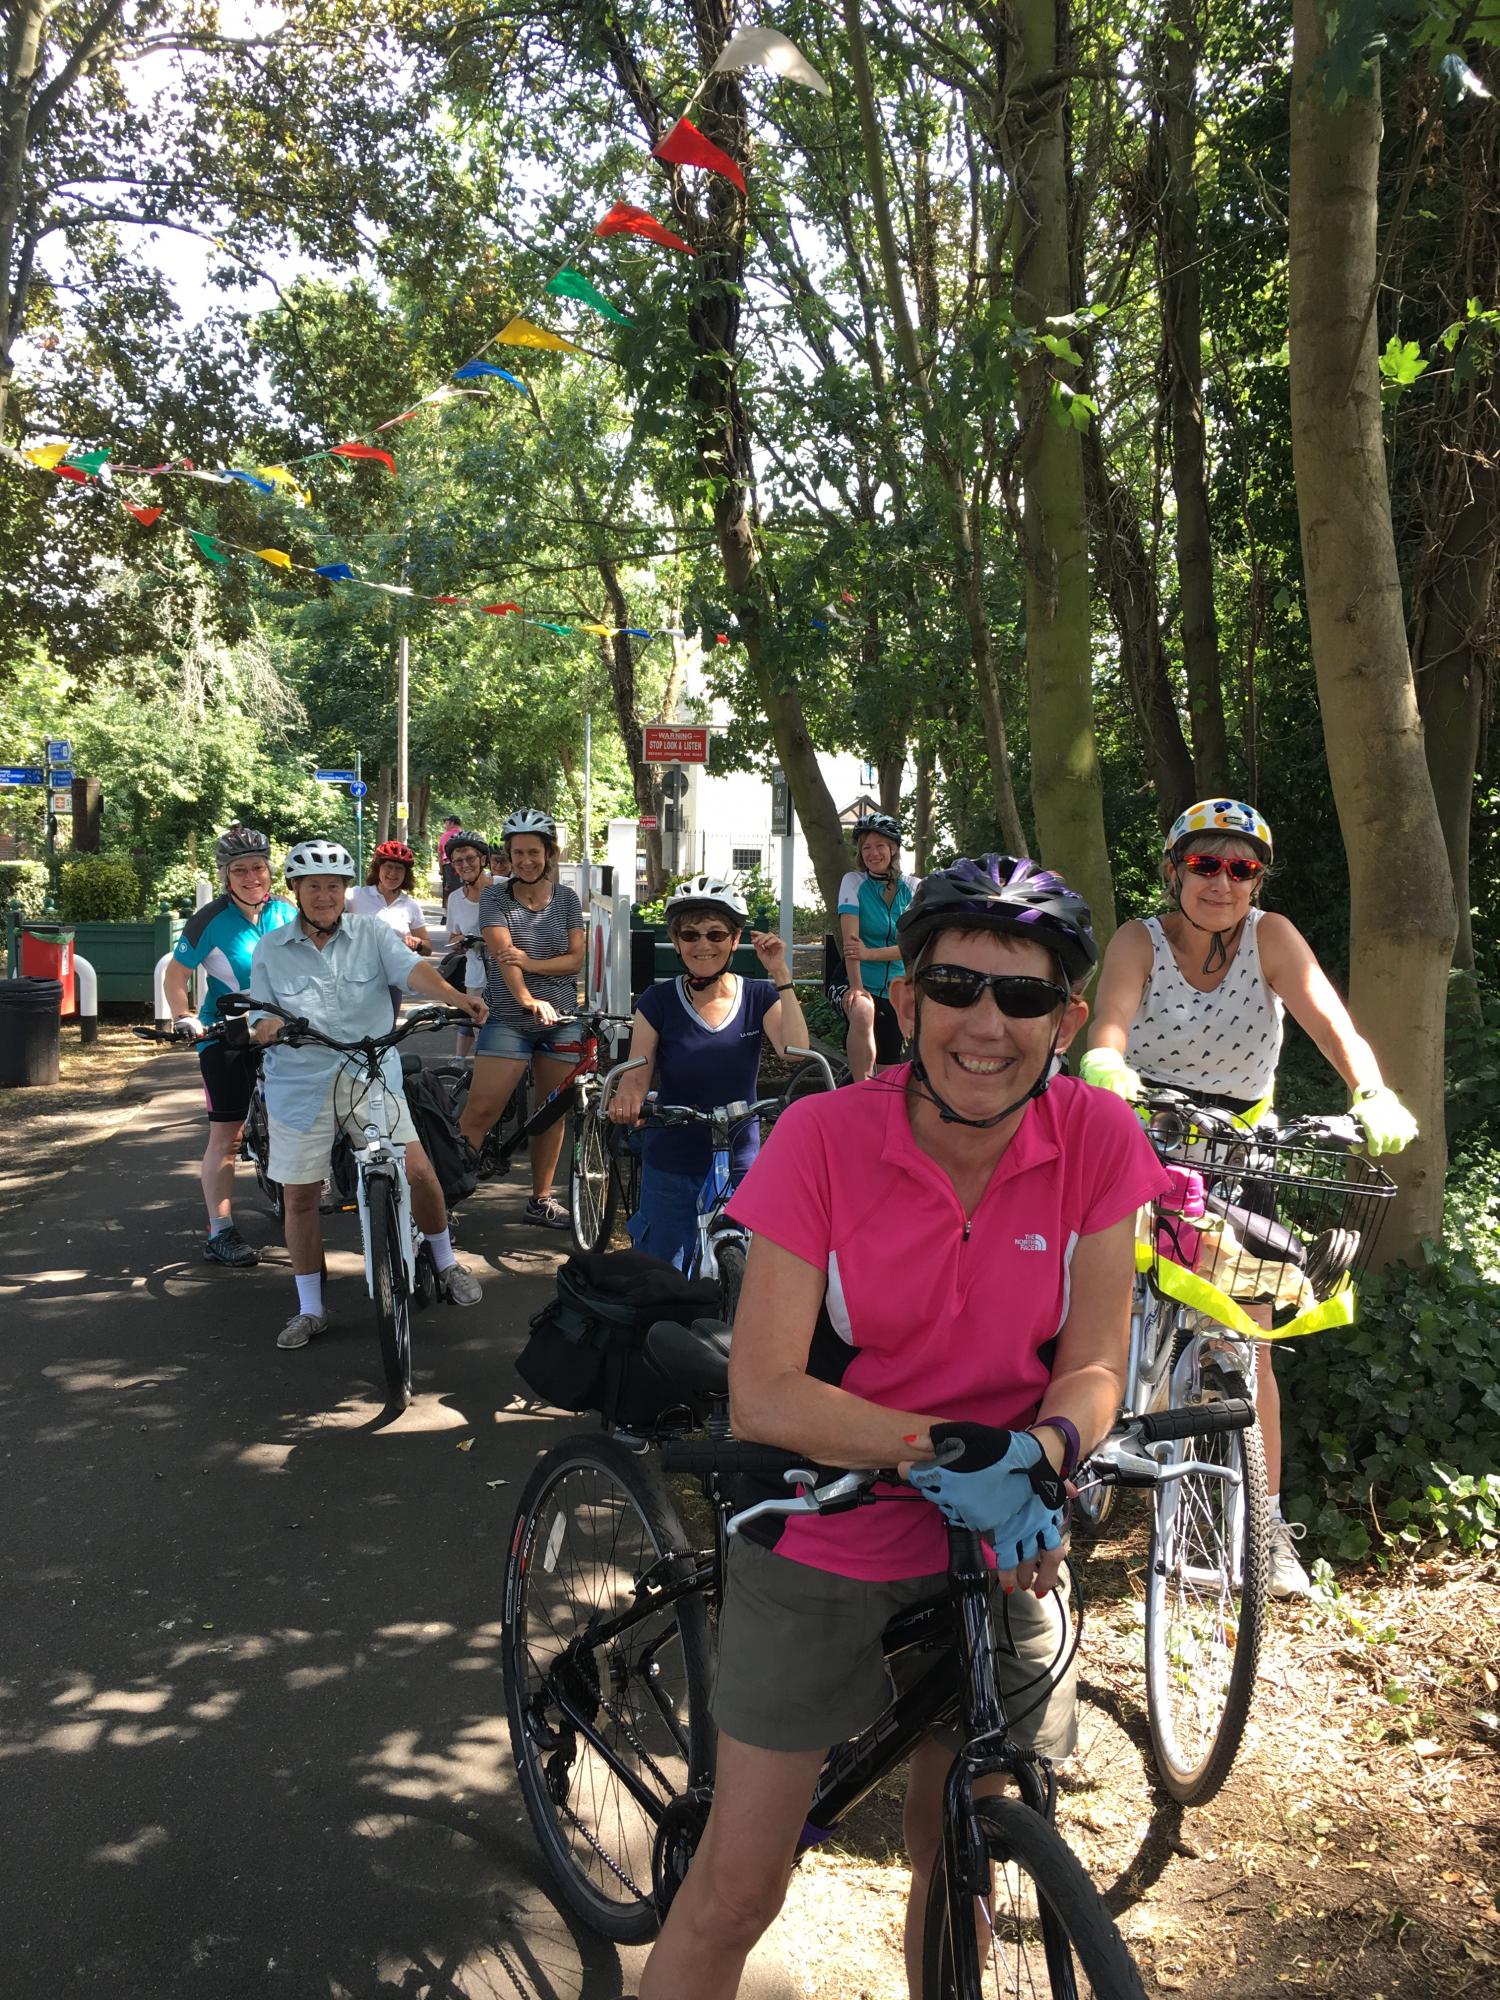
{"points": [[1226, 1043]]}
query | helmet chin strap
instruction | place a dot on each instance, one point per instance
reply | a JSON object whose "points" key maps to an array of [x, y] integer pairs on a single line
{"points": [[1217, 953], [945, 1110], [699, 981], [323, 930]]}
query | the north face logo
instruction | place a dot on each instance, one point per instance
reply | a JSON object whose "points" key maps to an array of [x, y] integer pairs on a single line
{"points": [[1031, 1242]]}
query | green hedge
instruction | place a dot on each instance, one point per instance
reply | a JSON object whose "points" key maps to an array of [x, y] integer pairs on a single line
{"points": [[99, 889], [24, 882]]}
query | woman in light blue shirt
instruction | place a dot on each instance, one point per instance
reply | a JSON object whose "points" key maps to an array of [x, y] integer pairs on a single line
{"points": [[871, 898]]}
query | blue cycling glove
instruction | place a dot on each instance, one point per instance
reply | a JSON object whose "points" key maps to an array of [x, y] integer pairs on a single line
{"points": [[998, 1483]]}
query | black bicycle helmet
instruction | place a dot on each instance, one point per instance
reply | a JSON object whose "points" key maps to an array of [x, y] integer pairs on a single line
{"points": [[880, 823], [463, 838], [999, 892], [241, 843]]}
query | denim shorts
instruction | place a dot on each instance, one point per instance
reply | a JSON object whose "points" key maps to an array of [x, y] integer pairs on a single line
{"points": [[519, 1044]]}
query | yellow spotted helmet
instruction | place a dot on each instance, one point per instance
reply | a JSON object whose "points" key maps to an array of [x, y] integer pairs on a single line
{"points": [[1230, 816]]}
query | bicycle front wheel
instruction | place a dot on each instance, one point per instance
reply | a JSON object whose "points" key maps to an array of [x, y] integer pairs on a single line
{"points": [[592, 1195], [606, 1687], [392, 1300], [731, 1257], [1205, 1609], [1042, 1927]]}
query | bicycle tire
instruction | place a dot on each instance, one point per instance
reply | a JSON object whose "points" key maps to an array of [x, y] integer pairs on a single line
{"points": [[592, 1518], [256, 1147], [1048, 1931], [392, 1303], [1205, 1612], [731, 1258], [592, 1194]]}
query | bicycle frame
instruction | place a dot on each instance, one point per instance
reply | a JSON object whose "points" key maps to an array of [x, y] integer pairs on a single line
{"points": [[380, 1156]]}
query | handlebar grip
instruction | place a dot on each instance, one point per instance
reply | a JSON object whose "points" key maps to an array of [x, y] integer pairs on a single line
{"points": [[699, 1456], [1237, 1413]]}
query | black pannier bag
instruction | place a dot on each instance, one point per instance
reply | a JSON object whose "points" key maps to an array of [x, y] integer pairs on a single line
{"points": [[585, 1351], [454, 1160]]}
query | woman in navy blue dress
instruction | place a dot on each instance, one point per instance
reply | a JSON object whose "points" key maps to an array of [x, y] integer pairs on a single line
{"points": [[700, 1037]]}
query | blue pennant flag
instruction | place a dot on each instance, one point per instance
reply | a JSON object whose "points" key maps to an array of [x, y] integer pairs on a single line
{"points": [[471, 370], [335, 572], [260, 485]]}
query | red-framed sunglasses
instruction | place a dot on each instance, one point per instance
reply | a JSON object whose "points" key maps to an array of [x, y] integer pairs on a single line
{"points": [[1238, 867]]}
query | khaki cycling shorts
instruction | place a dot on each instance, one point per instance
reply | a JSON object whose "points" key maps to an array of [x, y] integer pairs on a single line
{"points": [[800, 1665], [297, 1159]]}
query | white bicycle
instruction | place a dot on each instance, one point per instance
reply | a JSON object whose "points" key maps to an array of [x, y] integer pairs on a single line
{"points": [[398, 1266]]}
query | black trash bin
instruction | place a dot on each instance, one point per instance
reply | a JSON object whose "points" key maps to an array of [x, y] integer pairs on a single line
{"points": [[30, 1031]]}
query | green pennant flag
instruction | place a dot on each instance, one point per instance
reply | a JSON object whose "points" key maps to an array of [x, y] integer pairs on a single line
{"points": [[573, 285], [88, 461], [207, 546], [542, 625]]}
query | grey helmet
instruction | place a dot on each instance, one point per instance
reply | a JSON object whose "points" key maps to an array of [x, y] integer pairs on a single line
{"points": [[880, 823], [241, 843], [319, 857], [707, 892], [529, 820]]}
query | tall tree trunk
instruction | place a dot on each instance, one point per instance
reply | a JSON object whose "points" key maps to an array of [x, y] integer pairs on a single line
{"points": [[383, 804], [1452, 663], [891, 768], [1067, 794], [24, 32], [1129, 580], [1176, 189], [423, 804], [968, 565], [1402, 920], [921, 835]]}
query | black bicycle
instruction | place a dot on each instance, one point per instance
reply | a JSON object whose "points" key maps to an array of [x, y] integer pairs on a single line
{"points": [[255, 1134], [607, 1665]]}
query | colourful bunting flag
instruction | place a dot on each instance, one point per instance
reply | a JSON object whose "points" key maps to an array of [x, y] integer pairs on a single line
{"points": [[685, 146], [88, 461], [357, 450], [471, 370], [279, 476], [71, 472], [603, 631], [207, 546], [542, 625], [521, 333], [278, 558], [47, 456], [623, 220], [447, 600], [636, 632], [145, 515], [574, 285], [335, 572], [721, 638], [249, 479], [764, 48], [499, 610]]}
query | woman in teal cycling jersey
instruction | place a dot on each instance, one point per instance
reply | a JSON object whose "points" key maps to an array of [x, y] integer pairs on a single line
{"points": [[872, 898], [1194, 1001]]}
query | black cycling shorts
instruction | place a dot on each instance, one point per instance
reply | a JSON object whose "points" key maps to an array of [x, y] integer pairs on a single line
{"points": [[889, 1040], [228, 1079]]}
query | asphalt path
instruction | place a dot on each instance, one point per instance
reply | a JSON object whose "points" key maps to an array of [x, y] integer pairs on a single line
{"points": [[252, 1727]]}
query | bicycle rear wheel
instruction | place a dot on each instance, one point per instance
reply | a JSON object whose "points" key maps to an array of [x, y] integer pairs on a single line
{"points": [[1042, 1929], [594, 1521], [255, 1146], [730, 1252], [1205, 1610], [592, 1194], [392, 1300]]}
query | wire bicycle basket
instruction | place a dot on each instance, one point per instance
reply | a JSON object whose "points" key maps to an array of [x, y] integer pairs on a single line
{"points": [[1264, 1231]]}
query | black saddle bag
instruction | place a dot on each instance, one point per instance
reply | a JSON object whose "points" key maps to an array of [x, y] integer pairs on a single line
{"points": [[454, 1160], [586, 1350]]}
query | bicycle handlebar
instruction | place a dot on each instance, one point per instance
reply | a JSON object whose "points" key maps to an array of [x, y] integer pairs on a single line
{"points": [[1336, 1129], [297, 1031]]}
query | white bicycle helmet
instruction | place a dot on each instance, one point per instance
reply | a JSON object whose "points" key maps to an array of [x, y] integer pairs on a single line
{"points": [[707, 892], [319, 857], [529, 820]]}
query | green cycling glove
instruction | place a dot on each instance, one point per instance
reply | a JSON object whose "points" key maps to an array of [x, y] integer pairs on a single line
{"points": [[1389, 1126], [1107, 1069]]}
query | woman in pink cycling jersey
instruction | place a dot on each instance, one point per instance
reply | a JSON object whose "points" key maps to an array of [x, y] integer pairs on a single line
{"points": [[951, 1241]]}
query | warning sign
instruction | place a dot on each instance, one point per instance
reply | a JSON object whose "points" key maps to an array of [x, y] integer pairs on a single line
{"points": [[676, 743]]}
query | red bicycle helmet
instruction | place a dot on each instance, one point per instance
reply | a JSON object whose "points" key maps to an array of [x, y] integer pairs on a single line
{"points": [[395, 850]]}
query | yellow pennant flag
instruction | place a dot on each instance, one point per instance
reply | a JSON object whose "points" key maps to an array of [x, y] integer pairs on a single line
{"points": [[521, 333], [278, 557], [279, 476], [47, 455], [604, 631]]}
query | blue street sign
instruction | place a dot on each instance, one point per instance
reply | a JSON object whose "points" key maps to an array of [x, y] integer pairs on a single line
{"points": [[21, 774], [59, 750], [358, 789], [335, 777], [59, 774]]}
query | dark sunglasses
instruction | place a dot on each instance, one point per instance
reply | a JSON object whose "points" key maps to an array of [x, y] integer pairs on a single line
{"points": [[1016, 994], [689, 935], [1239, 869]]}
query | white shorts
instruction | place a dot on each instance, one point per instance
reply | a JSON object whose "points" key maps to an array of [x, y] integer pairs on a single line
{"points": [[297, 1159]]}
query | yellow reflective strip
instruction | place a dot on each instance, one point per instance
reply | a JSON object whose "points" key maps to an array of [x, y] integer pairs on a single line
{"points": [[1188, 1289], [1338, 1310]]}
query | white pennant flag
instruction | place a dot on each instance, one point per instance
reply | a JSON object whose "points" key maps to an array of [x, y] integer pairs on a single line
{"points": [[764, 48]]}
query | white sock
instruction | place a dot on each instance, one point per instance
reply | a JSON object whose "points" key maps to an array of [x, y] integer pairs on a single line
{"points": [[1273, 1505], [442, 1250], [310, 1293]]}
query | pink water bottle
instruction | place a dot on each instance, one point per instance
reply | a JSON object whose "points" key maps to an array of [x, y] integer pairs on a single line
{"points": [[1177, 1209]]}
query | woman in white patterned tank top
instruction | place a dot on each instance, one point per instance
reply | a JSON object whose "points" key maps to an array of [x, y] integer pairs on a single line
{"points": [[1194, 1000]]}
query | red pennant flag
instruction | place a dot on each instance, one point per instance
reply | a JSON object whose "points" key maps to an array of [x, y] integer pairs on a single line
{"points": [[145, 515], [847, 596], [623, 220], [445, 600], [721, 638], [71, 472], [500, 609], [685, 146], [365, 451]]}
